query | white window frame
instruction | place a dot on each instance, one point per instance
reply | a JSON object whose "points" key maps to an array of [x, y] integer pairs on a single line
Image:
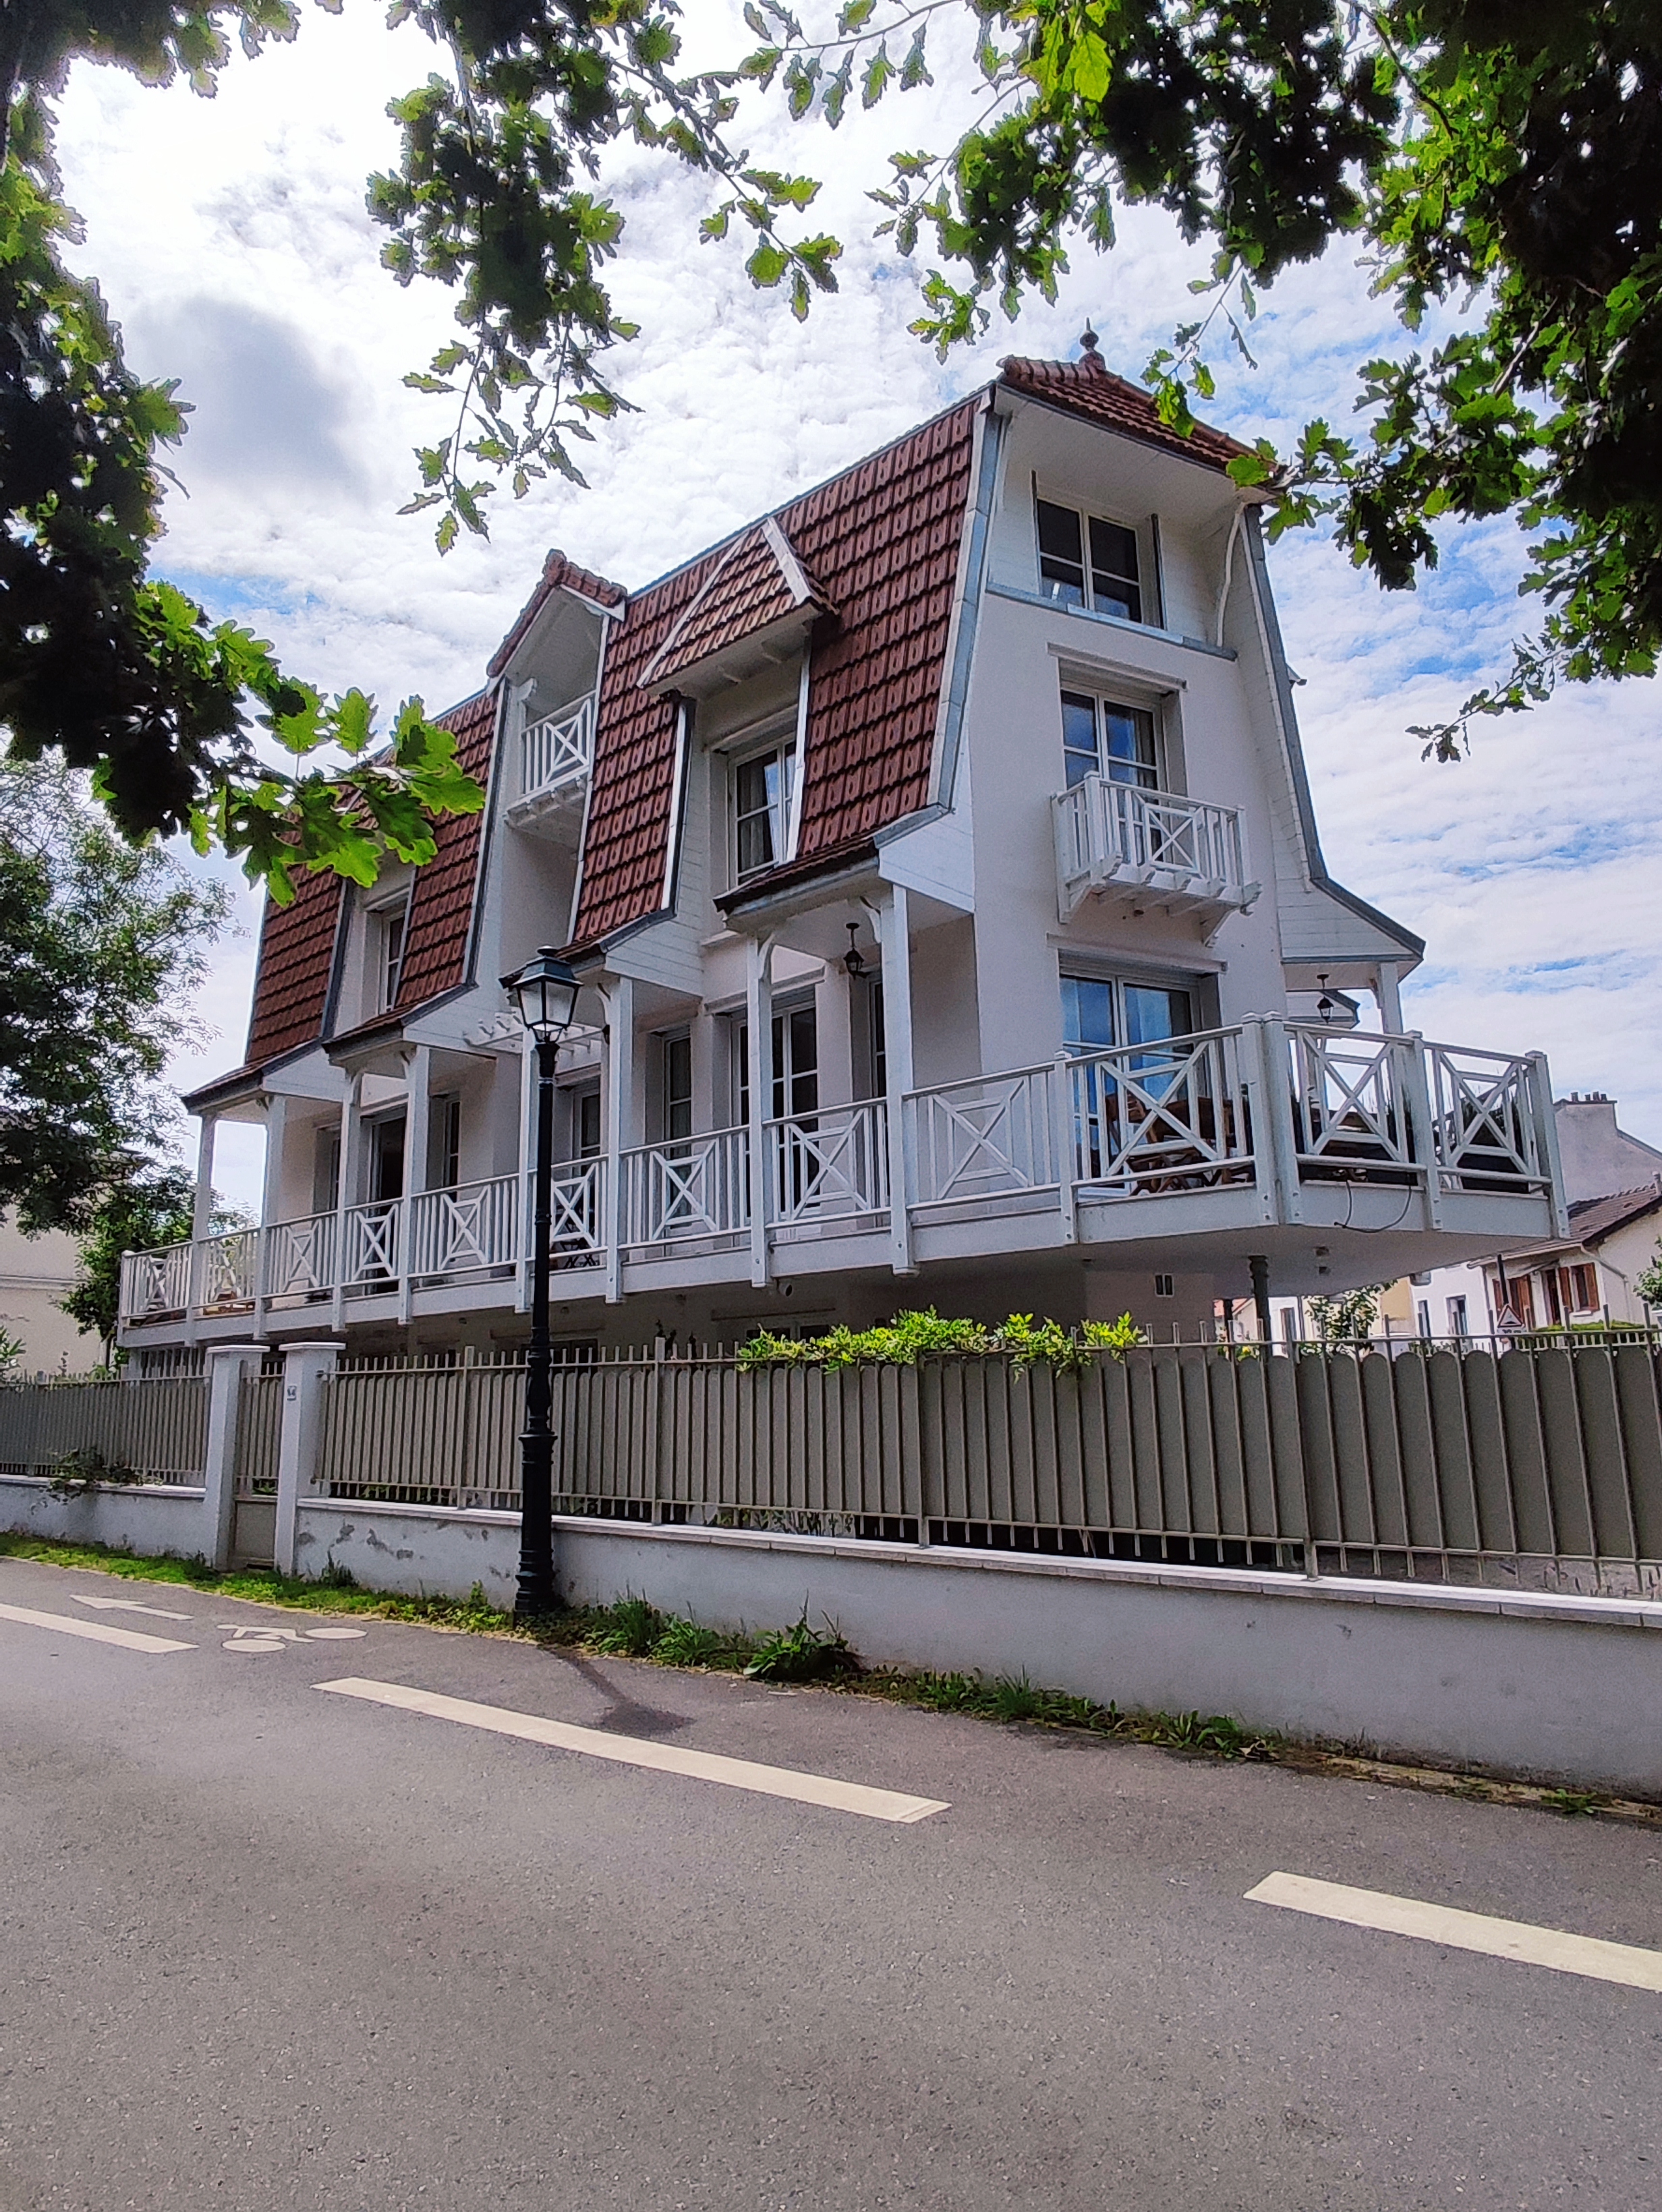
{"points": [[386, 966], [1097, 691], [1146, 581], [781, 746]]}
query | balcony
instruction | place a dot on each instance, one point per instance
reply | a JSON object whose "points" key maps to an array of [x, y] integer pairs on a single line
{"points": [[1184, 853], [557, 752], [1256, 1131]]}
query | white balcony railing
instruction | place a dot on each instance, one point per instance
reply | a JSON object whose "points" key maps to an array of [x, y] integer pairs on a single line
{"points": [[558, 748], [828, 1166], [691, 1186], [1185, 850], [1289, 1109]]}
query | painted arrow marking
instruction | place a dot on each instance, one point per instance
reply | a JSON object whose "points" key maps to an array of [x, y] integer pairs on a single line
{"points": [[126, 1605]]}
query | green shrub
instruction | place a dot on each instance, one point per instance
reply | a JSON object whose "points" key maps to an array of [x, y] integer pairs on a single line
{"points": [[928, 1334], [78, 1472]]}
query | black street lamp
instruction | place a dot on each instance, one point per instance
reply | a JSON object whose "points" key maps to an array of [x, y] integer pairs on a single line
{"points": [[545, 993]]}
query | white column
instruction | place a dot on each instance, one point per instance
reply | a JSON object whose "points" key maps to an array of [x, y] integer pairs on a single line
{"points": [[894, 925], [758, 1023], [271, 1202], [346, 1196], [417, 1080], [227, 1364], [618, 1106], [202, 1208], [299, 1441], [1389, 999]]}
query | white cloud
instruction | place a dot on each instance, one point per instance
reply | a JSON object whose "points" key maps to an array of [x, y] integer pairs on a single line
{"points": [[232, 238]]}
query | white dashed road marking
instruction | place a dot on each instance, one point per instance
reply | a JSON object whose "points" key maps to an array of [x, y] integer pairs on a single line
{"points": [[94, 1632], [634, 1751], [125, 1604], [1464, 1931]]}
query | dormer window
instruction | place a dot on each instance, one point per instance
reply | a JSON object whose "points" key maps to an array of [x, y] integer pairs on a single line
{"points": [[388, 927], [1107, 582], [762, 785]]}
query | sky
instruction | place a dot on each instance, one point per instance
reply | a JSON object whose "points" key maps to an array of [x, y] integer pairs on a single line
{"points": [[232, 242]]}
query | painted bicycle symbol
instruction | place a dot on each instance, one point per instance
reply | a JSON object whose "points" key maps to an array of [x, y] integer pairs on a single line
{"points": [[267, 1636]]}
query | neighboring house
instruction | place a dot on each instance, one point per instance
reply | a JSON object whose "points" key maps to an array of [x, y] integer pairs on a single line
{"points": [[35, 1272], [938, 858], [1613, 1186]]}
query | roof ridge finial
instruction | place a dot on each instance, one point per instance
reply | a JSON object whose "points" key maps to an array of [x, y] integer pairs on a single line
{"points": [[1089, 357]]}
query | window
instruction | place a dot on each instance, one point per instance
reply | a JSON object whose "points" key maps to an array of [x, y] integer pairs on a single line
{"points": [[325, 1173], [1101, 737], [387, 1158], [677, 1086], [586, 1125], [761, 809], [1422, 1316], [795, 1065], [1581, 1290], [1164, 1287], [388, 927], [1458, 1322], [444, 1145], [879, 1043], [1108, 1010], [1108, 582]]}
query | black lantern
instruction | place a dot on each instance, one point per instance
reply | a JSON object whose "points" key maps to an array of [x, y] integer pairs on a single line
{"points": [[545, 993], [854, 960], [1324, 1005]]}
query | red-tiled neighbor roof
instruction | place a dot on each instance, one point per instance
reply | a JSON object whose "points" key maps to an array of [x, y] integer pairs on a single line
{"points": [[881, 542], [297, 942], [1085, 387]]}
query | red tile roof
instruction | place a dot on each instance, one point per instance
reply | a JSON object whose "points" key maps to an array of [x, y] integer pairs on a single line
{"points": [[1085, 387], [296, 953], [441, 897], [881, 543], [757, 581], [557, 573], [297, 942]]}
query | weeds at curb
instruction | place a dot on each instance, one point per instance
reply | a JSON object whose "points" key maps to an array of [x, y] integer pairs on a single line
{"points": [[634, 1628]]}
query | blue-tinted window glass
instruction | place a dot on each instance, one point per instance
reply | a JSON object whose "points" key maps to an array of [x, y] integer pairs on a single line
{"points": [[1152, 1016], [1079, 737], [1087, 1014], [1128, 742]]}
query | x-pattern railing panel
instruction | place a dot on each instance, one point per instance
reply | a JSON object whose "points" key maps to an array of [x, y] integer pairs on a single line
{"points": [[574, 1215], [830, 1164], [1482, 1122], [984, 1137], [691, 1187], [556, 747], [1155, 1113], [300, 1257], [372, 1242], [1108, 832], [156, 1282], [464, 1230], [229, 1265], [1348, 1100]]}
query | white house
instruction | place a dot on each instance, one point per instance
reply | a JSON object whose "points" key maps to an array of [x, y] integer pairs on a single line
{"points": [[938, 858]]}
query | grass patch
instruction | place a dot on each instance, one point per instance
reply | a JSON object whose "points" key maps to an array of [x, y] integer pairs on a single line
{"points": [[333, 1591]]}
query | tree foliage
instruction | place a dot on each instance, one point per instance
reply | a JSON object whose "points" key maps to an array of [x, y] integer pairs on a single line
{"points": [[104, 943], [146, 1206], [1499, 167]]}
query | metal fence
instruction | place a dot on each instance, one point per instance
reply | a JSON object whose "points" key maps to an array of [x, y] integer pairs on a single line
{"points": [[1534, 1468], [158, 1431]]}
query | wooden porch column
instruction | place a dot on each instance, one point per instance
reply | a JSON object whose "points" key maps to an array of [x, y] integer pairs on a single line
{"points": [[759, 1040], [619, 1084], [895, 929], [271, 1196], [418, 1108], [1385, 991], [346, 1189]]}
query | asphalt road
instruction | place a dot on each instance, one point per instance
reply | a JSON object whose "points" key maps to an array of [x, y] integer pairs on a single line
{"points": [[267, 1948]]}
